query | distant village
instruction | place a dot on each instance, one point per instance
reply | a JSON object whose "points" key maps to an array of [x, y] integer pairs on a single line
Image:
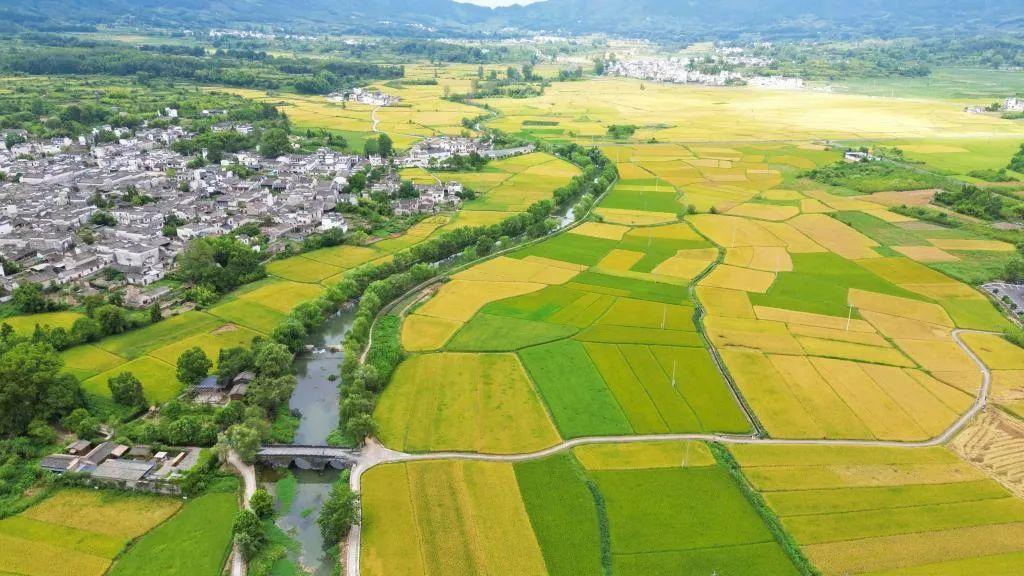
{"points": [[684, 70], [49, 191]]}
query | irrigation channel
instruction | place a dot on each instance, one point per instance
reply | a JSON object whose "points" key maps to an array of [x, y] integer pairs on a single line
{"points": [[316, 399]]}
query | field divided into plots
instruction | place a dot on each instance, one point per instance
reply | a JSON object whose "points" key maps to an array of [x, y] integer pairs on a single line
{"points": [[888, 510], [832, 314], [599, 322], [650, 508]]}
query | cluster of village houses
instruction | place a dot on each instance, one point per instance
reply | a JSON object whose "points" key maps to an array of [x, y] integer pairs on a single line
{"points": [[125, 467], [48, 192], [1011, 104], [365, 96], [682, 71]]}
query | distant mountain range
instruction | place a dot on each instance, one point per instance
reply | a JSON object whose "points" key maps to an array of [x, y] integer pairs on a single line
{"points": [[685, 19]]}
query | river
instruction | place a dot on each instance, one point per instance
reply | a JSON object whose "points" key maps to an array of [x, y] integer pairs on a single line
{"points": [[316, 398]]}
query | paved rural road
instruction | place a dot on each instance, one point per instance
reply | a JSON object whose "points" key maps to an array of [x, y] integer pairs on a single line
{"points": [[248, 474], [374, 454]]}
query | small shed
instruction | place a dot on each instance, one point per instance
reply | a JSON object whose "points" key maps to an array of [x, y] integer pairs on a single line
{"points": [[58, 462], [244, 377], [119, 451], [101, 452], [78, 447], [238, 391]]}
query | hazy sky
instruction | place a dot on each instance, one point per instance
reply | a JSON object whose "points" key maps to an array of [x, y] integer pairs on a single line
{"points": [[493, 3]]}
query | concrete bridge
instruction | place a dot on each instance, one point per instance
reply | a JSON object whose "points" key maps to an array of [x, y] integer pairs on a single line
{"points": [[307, 457]]}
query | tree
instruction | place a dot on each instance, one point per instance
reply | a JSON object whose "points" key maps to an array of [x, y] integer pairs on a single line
{"points": [[360, 427], [193, 366], [86, 330], [28, 298], [262, 504], [371, 147], [271, 393], [244, 440], [274, 143], [338, 513], [385, 145], [484, 245], [249, 533], [272, 359], [112, 319], [155, 314], [291, 333], [231, 362], [31, 387], [126, 390]]}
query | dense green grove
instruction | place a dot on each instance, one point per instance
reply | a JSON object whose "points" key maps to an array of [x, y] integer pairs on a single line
{"points": [[46, 55]]}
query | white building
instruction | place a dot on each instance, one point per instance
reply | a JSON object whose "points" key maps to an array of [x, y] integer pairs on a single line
{"points": [[1013, 105]]}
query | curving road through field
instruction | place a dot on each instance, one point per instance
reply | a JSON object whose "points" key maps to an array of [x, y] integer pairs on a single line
{"points": [[375, 454]]}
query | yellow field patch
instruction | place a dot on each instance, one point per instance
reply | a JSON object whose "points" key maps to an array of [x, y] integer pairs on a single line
{"points": [[906, 198], [724, 302], [423, 333], [461, 299], [621, 260], [929, 412], [896, 306], [925, 254], [888, 216], [781, 195], [877, 410], [766, 258], [110, 514], [765, 211], [769, 395], [870, 555], [601, 230], [976, 245], [467, 518], [1008, 386], [634, 217], [732, 231], [952, 396], [811, 319], [487, 404], [795, 241], [644, 455], [937, 356], [897, 327], [736, 278], [812, 206], [757, 334], [687, 263], [995, 351], [671, 231], [867, 338], [853, 351], [835, 236], [818, 398], [505, 269], [902, 271]]}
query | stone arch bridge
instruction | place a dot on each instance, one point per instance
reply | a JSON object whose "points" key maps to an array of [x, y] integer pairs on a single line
{"points": [[307, 457]]}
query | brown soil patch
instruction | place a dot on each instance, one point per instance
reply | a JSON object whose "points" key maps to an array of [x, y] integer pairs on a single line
{"points": [[908, 198], [225, 329]]}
